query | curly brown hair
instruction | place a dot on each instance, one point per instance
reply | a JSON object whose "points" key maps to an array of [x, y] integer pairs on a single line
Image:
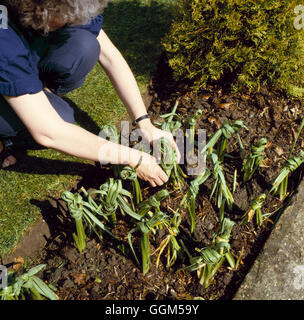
{"points": [[37, 14]]}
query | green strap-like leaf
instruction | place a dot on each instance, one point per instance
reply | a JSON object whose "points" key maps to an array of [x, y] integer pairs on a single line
{"points": [[43, 289]]}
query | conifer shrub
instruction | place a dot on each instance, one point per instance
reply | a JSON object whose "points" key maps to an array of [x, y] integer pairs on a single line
{"points": [[246, 43]]}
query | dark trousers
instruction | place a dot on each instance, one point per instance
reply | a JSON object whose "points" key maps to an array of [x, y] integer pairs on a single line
{"points": [[63, 68]]}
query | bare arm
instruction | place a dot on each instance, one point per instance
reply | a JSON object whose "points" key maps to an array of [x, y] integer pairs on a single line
{"points": [[122, 78], [125, 84], [49, 130]]}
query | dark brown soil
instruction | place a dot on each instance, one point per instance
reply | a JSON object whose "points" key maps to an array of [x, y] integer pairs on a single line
{"points": [[107, 270]]}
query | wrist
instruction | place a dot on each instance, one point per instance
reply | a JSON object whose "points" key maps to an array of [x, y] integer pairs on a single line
{"points": [[141, 120], [145, 124], [135, 156]]}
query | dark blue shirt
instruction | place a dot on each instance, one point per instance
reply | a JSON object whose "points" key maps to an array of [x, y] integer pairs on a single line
{"points": [[20, 53]]}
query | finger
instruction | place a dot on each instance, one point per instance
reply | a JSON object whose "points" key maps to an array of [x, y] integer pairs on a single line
{"points": [[152, 183], [159, 182], [163, 176]]}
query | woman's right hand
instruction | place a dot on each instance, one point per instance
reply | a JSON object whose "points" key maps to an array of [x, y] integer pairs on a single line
{"points": [[148, 169]]}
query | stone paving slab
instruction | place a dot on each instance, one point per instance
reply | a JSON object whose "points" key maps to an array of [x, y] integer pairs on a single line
{"points": [[278, 272]]}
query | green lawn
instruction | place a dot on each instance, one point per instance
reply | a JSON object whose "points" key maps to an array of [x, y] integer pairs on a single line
{"points": [[136, 28]]}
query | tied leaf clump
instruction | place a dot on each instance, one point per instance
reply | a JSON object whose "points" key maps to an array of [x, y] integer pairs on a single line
{"points": [[254, 159], [211, 257], [28, 284]]}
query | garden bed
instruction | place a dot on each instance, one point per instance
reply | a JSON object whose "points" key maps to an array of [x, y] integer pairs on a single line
{"points": [[107, 269]]}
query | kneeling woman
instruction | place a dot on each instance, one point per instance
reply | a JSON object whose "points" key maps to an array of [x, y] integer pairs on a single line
{"points": [[48, 49]]}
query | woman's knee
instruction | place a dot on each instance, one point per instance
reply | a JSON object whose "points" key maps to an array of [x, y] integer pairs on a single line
{"points": [[69, 60], [64, 110]]}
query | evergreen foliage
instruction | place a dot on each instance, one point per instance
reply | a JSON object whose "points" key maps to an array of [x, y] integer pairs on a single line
{"points": [[248, 43]]}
